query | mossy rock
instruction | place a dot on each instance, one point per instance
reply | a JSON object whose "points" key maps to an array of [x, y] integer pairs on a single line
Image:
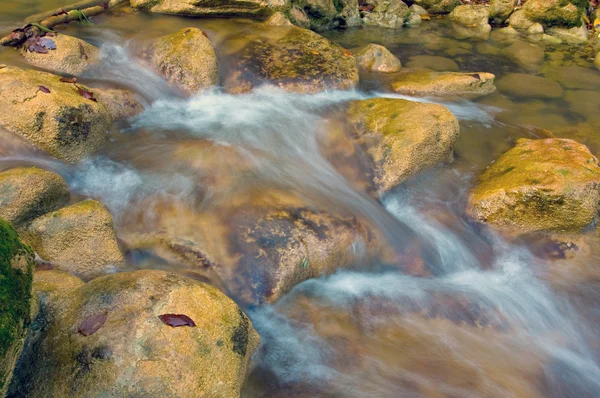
{"points": [[424, 82], [391, 14], [133, 352], [16, 266], [213, 8], [28, 192], [471, 15], [539, 185], [61, 122], [438, 6], [186, 59], [561, 13], [299, 61], [403, 137], [376, 58]]}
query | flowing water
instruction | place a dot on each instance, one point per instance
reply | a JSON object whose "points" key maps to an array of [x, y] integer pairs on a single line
{"points": [[491, 316]]}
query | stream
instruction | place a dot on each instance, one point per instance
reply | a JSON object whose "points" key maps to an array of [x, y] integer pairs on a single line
{"points": [[493, 317]]}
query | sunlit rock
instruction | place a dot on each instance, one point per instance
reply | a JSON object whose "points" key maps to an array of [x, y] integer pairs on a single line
{"points": [[376, 58], [500, 10], [16, 266], [438, 6], [423, 82], [403, 137], [519, 20], [278, 19], [79, 239], [186, 59], [62, 122], [387, 14], [69, 55], [106, 338], [208, 8], [27, 193], [555, 12], [539, 185]]}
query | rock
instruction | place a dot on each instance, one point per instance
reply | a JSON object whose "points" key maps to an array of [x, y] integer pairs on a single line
{"points": [[574, 77], [413, 20], [500, 10], [487, 49], [535, 29], [520, 85], [321, 13], [438, 6], [27, 193], [301, 61], [417, 9], [16, 267], [186, 59], [72, 55], [576, 35], [350, 15], [470, 15], [129, 351], [519, 20], [299, 17], [79, 239], [376, 58], [63, 122], [208, 8], [584, 102], [278, 19], [539, 185], [479, 32], [560, 13], [529, 56], [423, 82], [597, 61], [432, 62], [403, 137], [386, 14], [121, 104]]}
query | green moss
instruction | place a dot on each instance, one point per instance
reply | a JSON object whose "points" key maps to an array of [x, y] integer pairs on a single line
{"points": [[15, 287], [239, 337]]}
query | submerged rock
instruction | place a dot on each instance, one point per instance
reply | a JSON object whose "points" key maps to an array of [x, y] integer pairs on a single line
{"points": [[573, 77], [403, 137], [521, 85], [433, 62], [376, 58], [209, 8], [423, 82], [27, 193], [79, 239], [387, 14], [186, 59], [539, 185], [106, 338], [62, 122], [71, 55], [300, 61], [560, 13], [16, 266], [529, 56]]}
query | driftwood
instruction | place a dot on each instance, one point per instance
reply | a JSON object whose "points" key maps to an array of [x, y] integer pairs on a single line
{"points": [[80, 5], [19, 36]]}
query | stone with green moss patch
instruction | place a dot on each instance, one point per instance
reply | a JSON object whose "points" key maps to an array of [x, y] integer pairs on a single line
{"points": [[561, 13], [539, 185]]}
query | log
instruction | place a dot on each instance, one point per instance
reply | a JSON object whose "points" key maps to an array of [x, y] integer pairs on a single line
{"points": [[80, 5], [18, 36]]}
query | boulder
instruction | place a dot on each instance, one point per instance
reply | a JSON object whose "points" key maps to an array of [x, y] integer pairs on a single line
{"points": [[519, 20], [438, 6], [186, 59], [432, 62], [500, 10], [121, 104], [575, 35], [79, 239], [209, 8], [298, 17], [114, 336], [300, 61], [376, 58], [321, 13], [16, 267], [539, 185], [535, 29], [529, 56], [413, 20], [61, 122], [470, 15], [350, 15], [423, 82], [521, 85], [403, 137], [386, 14], [278, 19], [561, 13], [71, 55], [417, 9], [28, 192]]}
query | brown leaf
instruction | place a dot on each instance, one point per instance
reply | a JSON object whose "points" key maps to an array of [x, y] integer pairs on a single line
{"points": [[425, 17], [476, 76], [366, 8], [105, 5], [67, 80], [86, 94], [44, 89], [176, 320], [91, 324], [347, 53]]}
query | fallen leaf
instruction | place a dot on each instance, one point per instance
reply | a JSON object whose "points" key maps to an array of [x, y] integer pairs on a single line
{"points": [[47, 43], [91, 324], [425, 17], [314, 52], [37, 48], [176, 320], [67, 80], [347, 53], [44, 89], [86, 94], [366, 8]]}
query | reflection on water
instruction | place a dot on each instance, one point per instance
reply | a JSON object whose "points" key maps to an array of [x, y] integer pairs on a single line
{"points": [[492, 318]]}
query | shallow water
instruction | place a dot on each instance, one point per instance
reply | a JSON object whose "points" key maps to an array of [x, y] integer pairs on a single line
{"points": [[491, 317]]}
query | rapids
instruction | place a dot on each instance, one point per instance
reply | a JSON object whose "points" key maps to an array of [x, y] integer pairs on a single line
{"points": [[492, 318]]}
